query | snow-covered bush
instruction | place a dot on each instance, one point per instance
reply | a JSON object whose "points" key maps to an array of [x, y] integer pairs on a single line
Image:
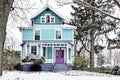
{"points": [[36, 62]]}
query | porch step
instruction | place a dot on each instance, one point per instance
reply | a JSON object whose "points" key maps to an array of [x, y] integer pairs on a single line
{"points": [[60, 67], [47, 67]]}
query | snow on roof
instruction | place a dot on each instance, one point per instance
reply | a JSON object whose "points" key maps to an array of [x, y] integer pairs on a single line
{"points": [[68, 26], [45, 7]]}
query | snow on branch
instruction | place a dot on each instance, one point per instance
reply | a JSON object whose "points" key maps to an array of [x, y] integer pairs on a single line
{"points": [[95, 8], [117, 3]]}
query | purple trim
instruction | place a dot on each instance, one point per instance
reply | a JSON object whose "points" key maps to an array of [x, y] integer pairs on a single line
{"points": [[62, 21], [20, 29], [32, 21], [71, 44], [22, 44]]}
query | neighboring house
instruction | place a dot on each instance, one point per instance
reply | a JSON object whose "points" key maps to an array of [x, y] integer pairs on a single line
{"points": [[49, 37]]}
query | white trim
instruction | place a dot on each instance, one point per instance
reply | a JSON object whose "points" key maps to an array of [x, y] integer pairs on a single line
{"points": [[53, 18], [25, 49], [73, 36], [58, 48], [34, 33], [41, 49], [53, 52], [67, 54], [45, 16], [45, 7], [55, 34], [41, 19], [66, 26], [34, 44]]}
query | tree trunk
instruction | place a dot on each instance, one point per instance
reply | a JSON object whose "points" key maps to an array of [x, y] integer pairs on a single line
{"points": [[92, 50], [92, 33], [5, 6]]}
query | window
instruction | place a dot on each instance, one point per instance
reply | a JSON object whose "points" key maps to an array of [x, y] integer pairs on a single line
{"points": [[34, 49], [58, 34], [42, 19], [69, 54], [44, 51], [52, 19], [37, 34], [47, 19]]}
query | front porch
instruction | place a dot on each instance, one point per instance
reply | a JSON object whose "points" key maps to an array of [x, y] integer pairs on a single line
{"points": [[57, 52], [53, 52]]}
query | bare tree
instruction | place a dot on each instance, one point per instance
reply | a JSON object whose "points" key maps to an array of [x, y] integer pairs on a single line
{"points": [[16, 11], [5, 8]]}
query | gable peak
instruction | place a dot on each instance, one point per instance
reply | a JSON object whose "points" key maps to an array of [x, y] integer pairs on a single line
{"points": [[48, 7]]}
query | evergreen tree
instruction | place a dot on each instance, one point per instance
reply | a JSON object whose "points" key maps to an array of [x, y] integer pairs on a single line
{"points": [[10, 58], [91, 24]]}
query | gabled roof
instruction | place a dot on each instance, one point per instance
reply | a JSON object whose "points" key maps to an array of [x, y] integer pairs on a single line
{"points": [[45, 7]]}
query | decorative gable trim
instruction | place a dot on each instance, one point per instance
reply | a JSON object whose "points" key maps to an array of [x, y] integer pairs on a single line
{"points": [[45, 7]]}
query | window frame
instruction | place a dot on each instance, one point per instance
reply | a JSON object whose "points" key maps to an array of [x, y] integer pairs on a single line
{"points": [[51, 19], [60, 34], [35, 34], [33, 51], [41, 19], [46, 18]]}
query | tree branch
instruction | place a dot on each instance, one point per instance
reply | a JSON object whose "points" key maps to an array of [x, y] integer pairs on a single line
{"points": [[95, 8], [117, 3]]}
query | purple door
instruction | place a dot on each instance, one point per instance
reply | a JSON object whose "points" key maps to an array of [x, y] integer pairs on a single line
{"points": [[59, 56]]}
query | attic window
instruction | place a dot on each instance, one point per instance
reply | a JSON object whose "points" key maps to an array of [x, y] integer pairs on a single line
{"points": [[42, 19], [47, 19], [52, 19]]}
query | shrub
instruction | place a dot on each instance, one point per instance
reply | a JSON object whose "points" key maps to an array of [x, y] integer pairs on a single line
{"points": [[18, 66], [81, 62], [115, 70], [35, 67]]}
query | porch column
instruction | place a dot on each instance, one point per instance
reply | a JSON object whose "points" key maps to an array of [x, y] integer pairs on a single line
{"points": [[67, 56], [41, 50], [53, 54]]}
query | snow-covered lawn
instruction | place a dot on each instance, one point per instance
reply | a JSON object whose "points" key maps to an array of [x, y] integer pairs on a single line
{"points": [[70, 75]]}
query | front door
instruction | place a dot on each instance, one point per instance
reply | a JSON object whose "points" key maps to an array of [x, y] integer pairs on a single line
{"points": [[59, 56]]}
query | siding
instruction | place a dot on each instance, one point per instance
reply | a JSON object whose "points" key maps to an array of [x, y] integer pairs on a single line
{"points": [[57, 18], [27, 34], [47, 34], [67, 34]]}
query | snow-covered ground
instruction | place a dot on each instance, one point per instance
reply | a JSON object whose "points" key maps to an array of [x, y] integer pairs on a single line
{"points": [[70, 75]]}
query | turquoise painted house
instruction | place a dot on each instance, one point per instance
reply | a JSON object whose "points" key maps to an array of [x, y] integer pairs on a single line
{"points": [[49, 36]]}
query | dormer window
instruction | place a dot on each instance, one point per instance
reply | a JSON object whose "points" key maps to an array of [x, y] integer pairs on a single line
{"points": [[52, 19], [42, 19], [47, 19]]}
